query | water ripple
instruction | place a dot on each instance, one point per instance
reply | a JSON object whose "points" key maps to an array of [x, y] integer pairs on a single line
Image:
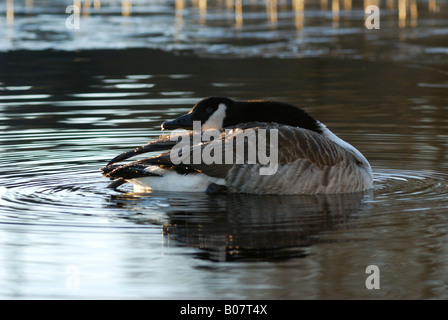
{"points": [[410, 185]]}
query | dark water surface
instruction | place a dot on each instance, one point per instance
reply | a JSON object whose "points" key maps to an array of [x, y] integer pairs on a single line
{"points": [[72, 100]]}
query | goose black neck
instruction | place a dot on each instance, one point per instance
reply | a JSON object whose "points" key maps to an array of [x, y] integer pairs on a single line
{"points": [[269, 111]]}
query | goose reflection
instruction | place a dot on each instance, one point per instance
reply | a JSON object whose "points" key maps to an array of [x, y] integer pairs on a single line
{"points": [[238, 227]]}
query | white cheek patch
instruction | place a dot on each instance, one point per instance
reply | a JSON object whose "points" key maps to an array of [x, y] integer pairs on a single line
{"points": [[216, 120]]}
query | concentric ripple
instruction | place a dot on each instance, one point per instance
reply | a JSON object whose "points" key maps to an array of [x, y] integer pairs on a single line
{"points": [[407, 185], [53, 199]]}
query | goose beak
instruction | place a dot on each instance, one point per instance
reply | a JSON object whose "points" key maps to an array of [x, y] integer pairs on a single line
{"points": [[183, 122]]}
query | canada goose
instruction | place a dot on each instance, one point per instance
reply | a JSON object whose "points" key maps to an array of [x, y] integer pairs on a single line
{"points": [[309, 158]]}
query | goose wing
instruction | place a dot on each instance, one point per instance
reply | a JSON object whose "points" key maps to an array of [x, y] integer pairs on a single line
{"points": [[137, 168], [284, 144], [293, 144], [307, 162], [162, 143]]}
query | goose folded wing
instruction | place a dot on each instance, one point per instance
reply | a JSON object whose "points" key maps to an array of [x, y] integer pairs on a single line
{"points": [[293, 144], [163, 143], [289, 144]]}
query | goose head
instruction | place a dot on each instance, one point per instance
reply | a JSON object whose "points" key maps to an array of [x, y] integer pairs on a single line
{"points": [[211, 112], [220, 112]]}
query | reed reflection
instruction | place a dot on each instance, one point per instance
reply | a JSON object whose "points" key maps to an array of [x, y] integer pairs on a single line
{"points": [[238, 13], [9, 11], [179, 9], [271, 10], [406, 16], [299, 8], [335, 11]]}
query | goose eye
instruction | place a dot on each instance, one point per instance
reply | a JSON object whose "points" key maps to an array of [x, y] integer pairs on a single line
{"points": [[209, 110]]}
